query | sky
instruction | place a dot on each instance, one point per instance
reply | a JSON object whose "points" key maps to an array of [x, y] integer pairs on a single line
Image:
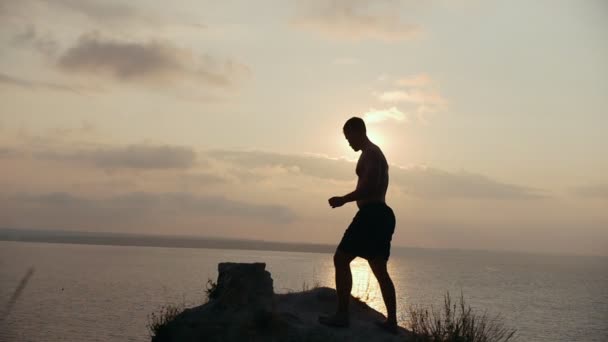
{"points": [[224, 118]]}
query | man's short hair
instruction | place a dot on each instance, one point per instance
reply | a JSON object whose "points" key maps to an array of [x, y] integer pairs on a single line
{"points": [[354, 124]]}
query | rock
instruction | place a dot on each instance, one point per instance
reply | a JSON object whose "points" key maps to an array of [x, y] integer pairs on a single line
{"points": [[243, 285], [244, 307]]}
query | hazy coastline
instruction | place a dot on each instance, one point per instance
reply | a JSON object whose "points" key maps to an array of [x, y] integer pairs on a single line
{"points": [[185, 241], [144, 240]]}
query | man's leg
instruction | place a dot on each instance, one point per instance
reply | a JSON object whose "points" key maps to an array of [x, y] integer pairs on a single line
{"points": [[387, 287], [344, 284], [344, 281]]}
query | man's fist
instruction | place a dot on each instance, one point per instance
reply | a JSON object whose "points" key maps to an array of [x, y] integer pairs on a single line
{"points": [[336, 201]]}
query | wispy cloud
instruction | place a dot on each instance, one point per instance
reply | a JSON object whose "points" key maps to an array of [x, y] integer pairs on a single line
{"points": [[108, 14], [100, 10], [152, 61], [412, 96], [380, 115], [228, 167], [64, 209], [34, 85], [122, 13], [357, 20], [420, 182], [7, 152], [31, 37], [418, 93], [428, 182], [130, 157]]}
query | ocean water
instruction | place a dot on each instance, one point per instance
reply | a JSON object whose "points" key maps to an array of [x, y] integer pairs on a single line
{"points": [[106, 293]]}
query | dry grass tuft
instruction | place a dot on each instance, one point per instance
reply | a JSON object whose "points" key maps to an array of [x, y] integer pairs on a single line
{"points": [[457, 322]]}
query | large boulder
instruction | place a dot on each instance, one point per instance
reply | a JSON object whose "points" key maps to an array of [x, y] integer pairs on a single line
{"points": [[244, 307]]}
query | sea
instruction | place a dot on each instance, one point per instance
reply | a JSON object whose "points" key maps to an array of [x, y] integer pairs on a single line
{"points": [[76, 292]]}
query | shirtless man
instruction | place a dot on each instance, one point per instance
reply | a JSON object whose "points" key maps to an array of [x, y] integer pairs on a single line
{"points": [[370, 233]]}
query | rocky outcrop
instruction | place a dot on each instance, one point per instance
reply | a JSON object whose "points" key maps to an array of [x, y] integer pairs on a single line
{"points": [[244, 307]]}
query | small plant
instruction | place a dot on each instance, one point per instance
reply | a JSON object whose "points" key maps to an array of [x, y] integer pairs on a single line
{"points": [[211, 289], [157, 321], [307, 287], [456, 323]]}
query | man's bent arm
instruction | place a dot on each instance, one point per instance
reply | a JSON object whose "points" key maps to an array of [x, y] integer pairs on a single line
{"points": [[356, 195]]}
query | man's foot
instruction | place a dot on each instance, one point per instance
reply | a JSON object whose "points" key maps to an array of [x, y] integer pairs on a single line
{"points": [[387, 326], [335, 321]]}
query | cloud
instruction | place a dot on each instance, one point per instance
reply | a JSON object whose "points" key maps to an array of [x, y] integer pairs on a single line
{"points": [[420, 182], [412, 96], [62, 208], [357, 20], [301, 164], [598, 191], [151, 61], [129, 157], [7, 152], [118, 17], [434, 183], [122, 14], [379, 115], [226, 167], [418, 94], [100, 10], [9, 9], [35, 85], [191, 180], [30, 37], [84, 128]]}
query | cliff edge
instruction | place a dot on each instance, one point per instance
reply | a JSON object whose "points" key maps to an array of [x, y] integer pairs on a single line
{"points": [[244, 307]]}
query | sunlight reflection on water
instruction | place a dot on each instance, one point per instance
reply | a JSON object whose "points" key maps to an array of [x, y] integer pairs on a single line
{"points": [[365, 285]]}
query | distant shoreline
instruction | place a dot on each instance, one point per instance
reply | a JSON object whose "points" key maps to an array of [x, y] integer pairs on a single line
{"points": [[183, 241], [141, 240]]}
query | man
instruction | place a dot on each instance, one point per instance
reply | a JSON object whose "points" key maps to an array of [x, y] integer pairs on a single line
{"points": [[370, 233]]}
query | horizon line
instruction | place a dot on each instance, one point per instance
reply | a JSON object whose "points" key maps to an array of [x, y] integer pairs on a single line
{"points": [[185, 241]]}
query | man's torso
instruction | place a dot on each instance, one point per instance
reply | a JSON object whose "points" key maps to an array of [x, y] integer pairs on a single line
{"points": [[379, 185]]}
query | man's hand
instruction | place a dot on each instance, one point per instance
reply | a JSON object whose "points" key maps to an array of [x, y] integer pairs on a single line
{"points": [[336, 201]]}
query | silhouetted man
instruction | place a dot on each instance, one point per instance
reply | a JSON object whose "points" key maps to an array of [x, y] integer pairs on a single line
{"points": [[370, 233]]}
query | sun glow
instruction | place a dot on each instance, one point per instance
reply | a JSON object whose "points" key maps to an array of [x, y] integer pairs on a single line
{"points": [[376, 137]]}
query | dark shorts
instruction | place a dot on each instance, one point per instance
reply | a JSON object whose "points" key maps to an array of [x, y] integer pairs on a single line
{"points": [[369, 235]]}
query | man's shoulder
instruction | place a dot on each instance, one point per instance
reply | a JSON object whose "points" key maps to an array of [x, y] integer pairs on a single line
{"points": [[372, 154]]}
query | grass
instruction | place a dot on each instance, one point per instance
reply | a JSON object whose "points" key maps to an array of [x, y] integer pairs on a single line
{"points": [[16, 294], [211, 289], [456, 322], [306, 286], [157, 321]]}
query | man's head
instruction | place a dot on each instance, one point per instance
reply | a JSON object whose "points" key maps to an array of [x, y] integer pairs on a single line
{"points": [[355, 133]]}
